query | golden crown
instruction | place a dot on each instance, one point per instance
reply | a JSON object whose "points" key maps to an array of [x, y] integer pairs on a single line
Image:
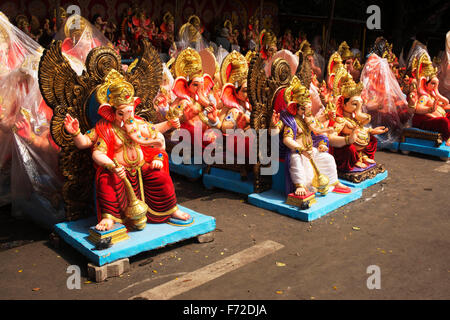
{"points": [[168, 18], [268, 39], [121, 92], [296, 92], [305, 48], [335, 63], [188, 64], [75, 26], [344, 51], [425, 67], [239, 69], [3, 29], [345, 85]]}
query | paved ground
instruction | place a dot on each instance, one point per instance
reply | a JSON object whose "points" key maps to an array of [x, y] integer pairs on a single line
{"points": [[401, 225]]}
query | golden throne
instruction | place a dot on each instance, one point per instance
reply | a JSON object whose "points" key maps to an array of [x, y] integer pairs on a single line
{"points": [[262, 93], [67, 93]]}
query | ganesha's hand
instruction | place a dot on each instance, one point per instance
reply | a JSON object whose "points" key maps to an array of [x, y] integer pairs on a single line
{"points": [[275, 118], [71, 125], [322, 148], [212, 113], [24, 129], [120, 171], [175, 123], [378, 130], [156, 164]]}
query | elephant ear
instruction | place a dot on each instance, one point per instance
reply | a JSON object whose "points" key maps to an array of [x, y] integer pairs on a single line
{"points": [[229, 96], [180, 88], [340, 106], [106, 112], [208, 83], [292, 108]]}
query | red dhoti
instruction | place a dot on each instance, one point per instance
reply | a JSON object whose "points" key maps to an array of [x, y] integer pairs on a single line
{"points": [[439, 124], [158, 189], [346, 157]]}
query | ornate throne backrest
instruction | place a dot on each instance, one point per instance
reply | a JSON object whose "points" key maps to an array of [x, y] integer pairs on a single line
{"points": [[262, 93], [67, 93]]}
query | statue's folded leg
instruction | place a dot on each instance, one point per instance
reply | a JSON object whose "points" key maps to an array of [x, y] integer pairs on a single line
{"points": [[441, 124], [111, 196], [159, 194], [301, 171], [346, 157], [326, 165]]}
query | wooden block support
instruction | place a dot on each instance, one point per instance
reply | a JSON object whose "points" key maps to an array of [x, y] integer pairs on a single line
{"points": [[207, 237], [113, 269]]}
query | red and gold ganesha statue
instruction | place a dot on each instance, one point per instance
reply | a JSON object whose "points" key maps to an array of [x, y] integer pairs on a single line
{"points": [[130, 160], [193, 90], [236, 109], [431, 108], [359, 149]]}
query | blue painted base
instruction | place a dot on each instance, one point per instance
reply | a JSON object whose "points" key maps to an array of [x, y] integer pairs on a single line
{"points": [[366, 183], [425, 147], [192, 171], [383, 145], [228, 180], [275, 201], [154, 236]]}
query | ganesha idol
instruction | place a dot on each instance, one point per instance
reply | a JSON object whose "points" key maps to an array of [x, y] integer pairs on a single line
{"points": [[79, 38], [130, 160], [194, 103], [351, 63], [360, 143], [431, 108], [237, 110]]}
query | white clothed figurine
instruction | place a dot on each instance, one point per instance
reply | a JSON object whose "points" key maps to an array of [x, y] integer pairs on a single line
{"points": [[301, 157]]}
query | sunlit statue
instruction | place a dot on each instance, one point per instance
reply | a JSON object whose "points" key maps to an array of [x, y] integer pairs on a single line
{"points": [[352, 121], [237, 110], [128, 153], [310, 169], [431, 106], [192, 88], [350, 62]]}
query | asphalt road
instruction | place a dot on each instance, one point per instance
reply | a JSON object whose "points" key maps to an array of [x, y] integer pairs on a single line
{"points": [[400, 225]]}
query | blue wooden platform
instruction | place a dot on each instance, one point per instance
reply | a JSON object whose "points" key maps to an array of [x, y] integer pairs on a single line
{"points": [[228, 180], [154, 236], [192, 171], [366, 183], [276, 201], [425, 147]]}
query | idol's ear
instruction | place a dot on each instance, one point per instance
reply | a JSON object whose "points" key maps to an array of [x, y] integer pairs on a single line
{"points": [[292, 108], [107, 112], [180, 88], [340, 106], [208, 83], [137, 101], [229, 96]]}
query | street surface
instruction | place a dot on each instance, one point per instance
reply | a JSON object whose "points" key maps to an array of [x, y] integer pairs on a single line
{"points": [[401, 225]]}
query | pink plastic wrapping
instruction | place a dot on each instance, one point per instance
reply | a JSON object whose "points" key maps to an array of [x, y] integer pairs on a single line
{"points": [[444, 70], [30, 178], [383, 98], [78, 38]]}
